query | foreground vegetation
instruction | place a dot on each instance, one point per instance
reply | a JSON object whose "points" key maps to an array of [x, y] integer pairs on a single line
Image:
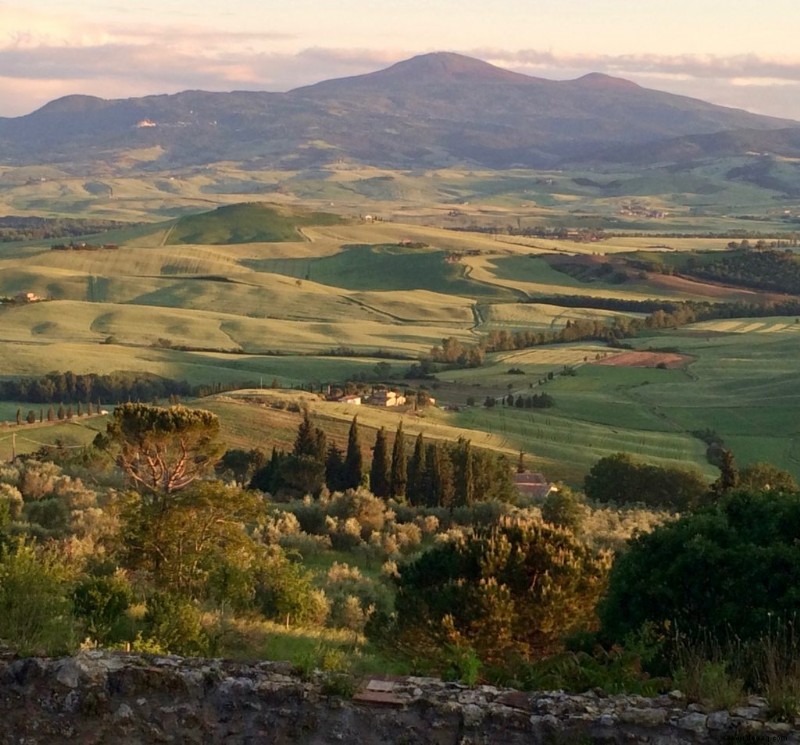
{"points": [[129, 544]]}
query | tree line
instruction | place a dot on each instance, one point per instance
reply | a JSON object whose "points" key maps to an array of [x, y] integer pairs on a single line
{"points": [[661, 315], [17, 228], [767, 270], [433, 474], [485, 599], [68, 386]]}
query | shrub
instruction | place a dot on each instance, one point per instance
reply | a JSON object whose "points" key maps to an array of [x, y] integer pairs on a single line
{"points": [[697, 570], [284, 592], [101, 602], [512, 589], [564, 508], [35, 610], [174, 624], [367, 510]]}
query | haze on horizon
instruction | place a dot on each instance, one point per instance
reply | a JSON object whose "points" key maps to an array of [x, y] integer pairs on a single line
{"points": [[742, 55]]}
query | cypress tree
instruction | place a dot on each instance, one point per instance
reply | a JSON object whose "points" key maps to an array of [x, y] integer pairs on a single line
{"points": [[265, 478], [379, 470], [305, 443], [427, 478], [353, 470], [416, 469], [320, 445], [438, 482], [464, 473], [416, 472], [399, 475], [51, 415], [334, 467], [728, 475]]}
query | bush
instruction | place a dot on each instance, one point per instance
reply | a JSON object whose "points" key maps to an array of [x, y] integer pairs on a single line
{"points": [[510, 590], [100, 603], [174, 624], [564, 508], [728, 570], [621, 480], [35, 610], [285, 592], [367, 510]]}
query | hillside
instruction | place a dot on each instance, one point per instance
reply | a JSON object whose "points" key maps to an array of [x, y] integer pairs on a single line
{"points": [[246, 223], [432, 110]]}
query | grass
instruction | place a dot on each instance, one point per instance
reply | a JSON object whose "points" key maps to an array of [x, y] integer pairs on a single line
{"points": [[305, 648], [59, 322], [742, 385], [246, 223], [29, 438], [384, 267], [254, 310]]}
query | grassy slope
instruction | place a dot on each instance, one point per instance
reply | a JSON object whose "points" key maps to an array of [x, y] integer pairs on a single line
{"points": [[362, 296], [246, 223], [385, 267]]}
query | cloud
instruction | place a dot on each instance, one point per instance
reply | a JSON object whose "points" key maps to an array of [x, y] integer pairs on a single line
{"points": [[740, 67]]}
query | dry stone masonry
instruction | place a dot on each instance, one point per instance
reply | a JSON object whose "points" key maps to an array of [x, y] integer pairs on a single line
{"points": [[99, 697]]}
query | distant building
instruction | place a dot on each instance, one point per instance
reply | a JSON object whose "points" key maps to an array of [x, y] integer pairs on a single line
{"points": [[533, 485], [387, 398], [353, 400], [145, 123], [26, 297]]}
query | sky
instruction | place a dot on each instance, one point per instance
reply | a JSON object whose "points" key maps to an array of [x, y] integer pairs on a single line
{"points": [[742, 53]]}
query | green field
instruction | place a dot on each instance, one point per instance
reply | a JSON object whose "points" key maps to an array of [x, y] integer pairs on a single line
{"points": [[218, 285], [29, 438], [742, 385], [384, 267], [246, 223]]}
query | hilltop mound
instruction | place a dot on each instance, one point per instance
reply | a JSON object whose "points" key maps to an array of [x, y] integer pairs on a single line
{"points": [[252, 222]]}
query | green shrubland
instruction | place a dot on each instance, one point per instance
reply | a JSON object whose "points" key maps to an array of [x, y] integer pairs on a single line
{"points": [[570, 593]]}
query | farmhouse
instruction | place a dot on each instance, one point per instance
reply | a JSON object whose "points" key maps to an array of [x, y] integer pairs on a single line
{"points": [[353, 400], [26, 297], [533, 485], [382, 397]]}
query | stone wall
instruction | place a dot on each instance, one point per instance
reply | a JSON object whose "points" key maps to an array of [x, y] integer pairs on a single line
{"points": [[98, 697]]}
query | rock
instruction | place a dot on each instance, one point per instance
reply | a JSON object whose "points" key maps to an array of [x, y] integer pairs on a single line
{"points": [[645, 717], [124, 713], [473, 715], [694, 721], [778, 728], [100, 697], [718, 720]]}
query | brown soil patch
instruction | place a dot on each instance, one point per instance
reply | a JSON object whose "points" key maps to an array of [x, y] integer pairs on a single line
{"points": [[646, 359]]}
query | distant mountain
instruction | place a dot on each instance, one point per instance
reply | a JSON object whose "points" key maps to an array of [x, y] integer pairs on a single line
{"points": [[432, 110], [784, 142]]}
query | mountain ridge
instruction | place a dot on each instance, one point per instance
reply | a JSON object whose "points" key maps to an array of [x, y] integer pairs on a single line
{"points": [[438, 109]]}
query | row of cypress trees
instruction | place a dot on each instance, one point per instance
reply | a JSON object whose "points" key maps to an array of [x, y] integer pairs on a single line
{"points": [[436, 474]]}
